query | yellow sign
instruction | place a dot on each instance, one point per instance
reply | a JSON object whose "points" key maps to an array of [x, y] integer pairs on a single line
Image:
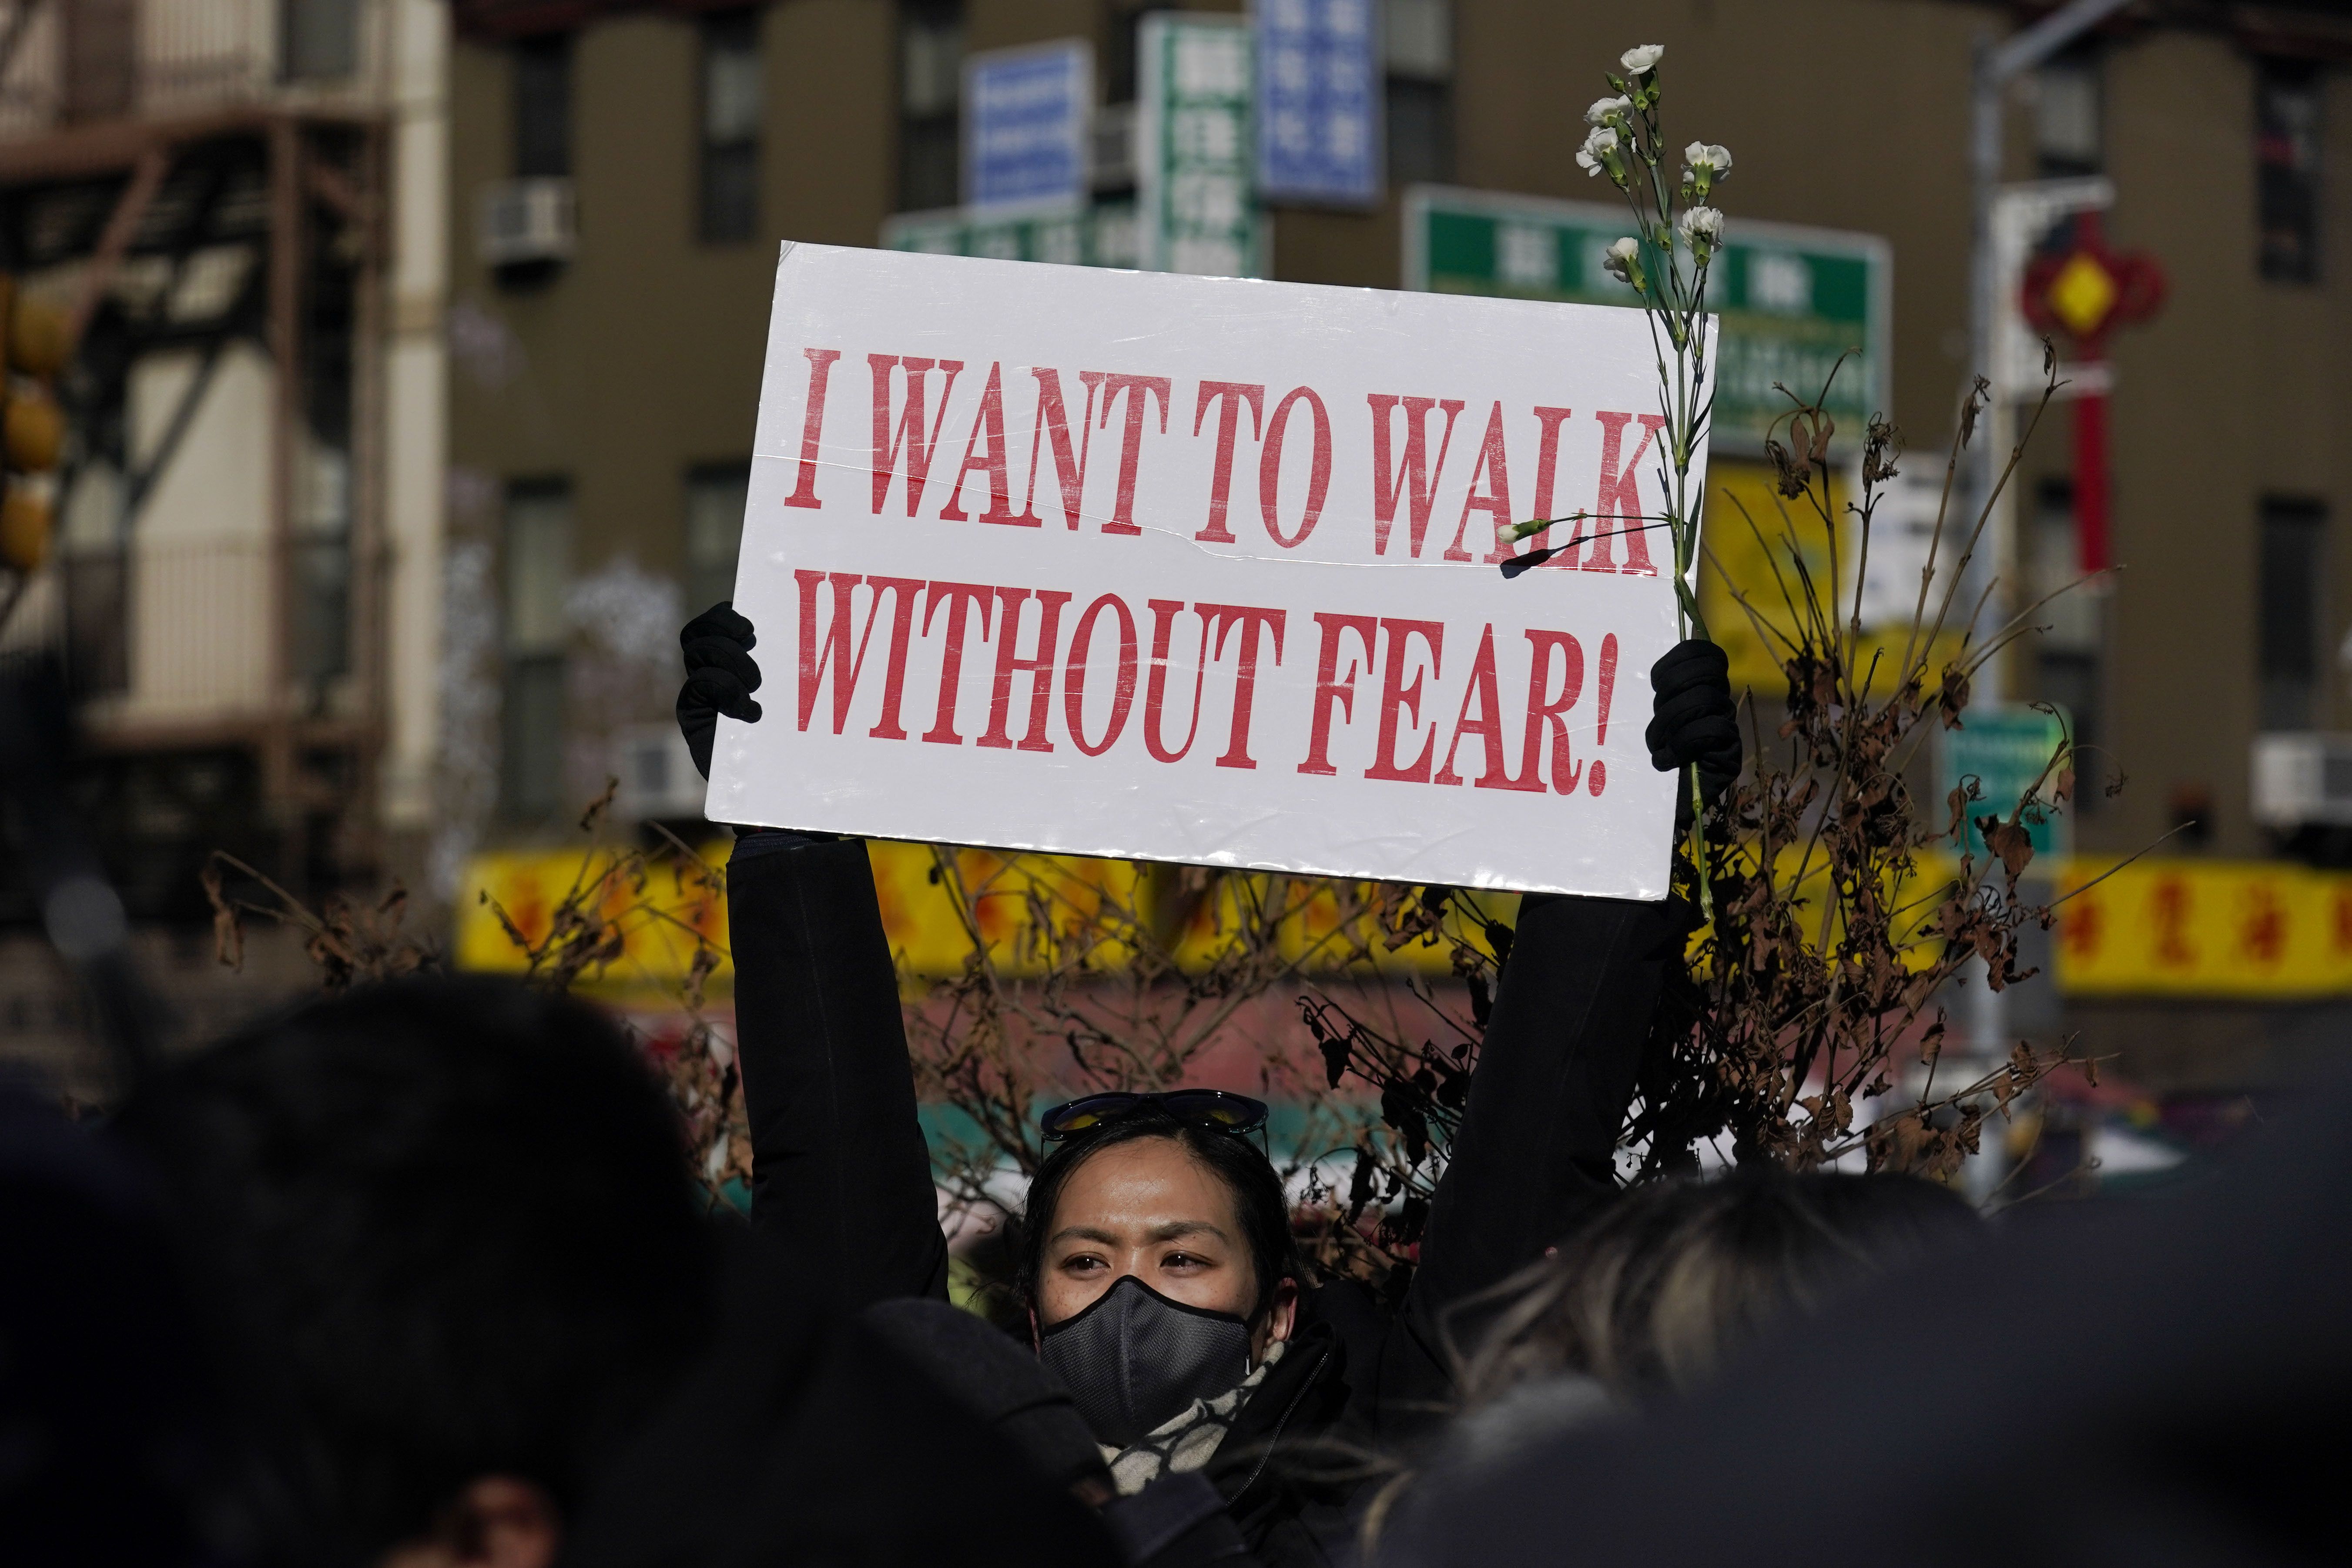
{"points": [[2263, 930], [1016, 902], [1747, 533], [661, 913], [2195, 928]]}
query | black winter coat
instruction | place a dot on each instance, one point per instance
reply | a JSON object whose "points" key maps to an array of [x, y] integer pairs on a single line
{"points": [[841, 1172]]}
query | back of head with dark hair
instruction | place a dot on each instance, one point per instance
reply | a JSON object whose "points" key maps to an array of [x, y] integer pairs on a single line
{"points": [[1239, 1165], [1646, 1297], [444, 1229]]}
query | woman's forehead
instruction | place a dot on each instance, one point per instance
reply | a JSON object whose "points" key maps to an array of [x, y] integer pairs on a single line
{"points": [[1145, 1184]]}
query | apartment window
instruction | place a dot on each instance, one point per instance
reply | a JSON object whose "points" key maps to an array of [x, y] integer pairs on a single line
{"points": [[2286, 169], [322, 38], [2289, 612], [2070, 653], [730, 128], [2067, 139], [1417, 44], [931, 88], [715, 494], [538, 577], [543, 108]]}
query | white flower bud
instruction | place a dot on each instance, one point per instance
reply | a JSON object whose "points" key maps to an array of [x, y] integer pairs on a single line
{"points": [[1622, 261], [1641, 59]]}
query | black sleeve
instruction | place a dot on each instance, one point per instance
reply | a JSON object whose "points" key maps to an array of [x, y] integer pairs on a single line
{"points": [[1540, 1129], [839, 1171]]}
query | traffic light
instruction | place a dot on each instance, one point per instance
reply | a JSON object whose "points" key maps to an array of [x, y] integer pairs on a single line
{"points": [[32, 427]]}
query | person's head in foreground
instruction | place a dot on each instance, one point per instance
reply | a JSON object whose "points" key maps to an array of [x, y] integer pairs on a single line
{"points": [[1156, 1259], [449, 1246], [1649, 1294]]}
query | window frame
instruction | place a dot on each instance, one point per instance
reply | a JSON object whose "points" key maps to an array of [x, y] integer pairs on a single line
{"points": [[732, 161], [1417, 94], [536, 151], [697, 573], [530, 779], [2280, 182], [2277, 665], [929, 135]]}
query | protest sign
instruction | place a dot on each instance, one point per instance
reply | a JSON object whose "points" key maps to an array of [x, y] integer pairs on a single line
{"points": [[1263, 626]]}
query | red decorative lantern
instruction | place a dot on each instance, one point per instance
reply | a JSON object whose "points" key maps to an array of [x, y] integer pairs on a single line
{"points": [[2081, 293]]}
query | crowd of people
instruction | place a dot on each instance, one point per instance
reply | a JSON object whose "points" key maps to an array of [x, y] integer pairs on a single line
{"points": [[418, 1275]]}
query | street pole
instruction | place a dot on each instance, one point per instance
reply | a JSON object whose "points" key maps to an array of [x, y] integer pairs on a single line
{"points": [[1996, 64]]}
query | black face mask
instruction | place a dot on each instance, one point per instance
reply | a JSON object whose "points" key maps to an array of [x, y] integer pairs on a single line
{"points": [[1136, 1358]]}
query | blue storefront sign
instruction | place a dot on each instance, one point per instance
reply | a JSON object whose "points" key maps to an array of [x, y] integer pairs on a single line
{"points": [[1024, 131], [1318, 101]]}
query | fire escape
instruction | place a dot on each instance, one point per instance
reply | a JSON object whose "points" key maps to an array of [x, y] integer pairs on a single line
{"points": [[199, 184]]}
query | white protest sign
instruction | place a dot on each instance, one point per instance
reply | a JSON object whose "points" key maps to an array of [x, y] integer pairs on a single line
{"points": [[1264, 626]]}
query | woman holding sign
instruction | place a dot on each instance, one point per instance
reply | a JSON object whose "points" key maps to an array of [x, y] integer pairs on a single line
{"points": [[1156, 1260]]}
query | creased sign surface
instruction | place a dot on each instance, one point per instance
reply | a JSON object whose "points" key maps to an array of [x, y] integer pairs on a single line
{"points": [[1203, 570]]}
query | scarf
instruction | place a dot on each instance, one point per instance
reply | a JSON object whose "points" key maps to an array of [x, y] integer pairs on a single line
{"points": [[1185, 1441]]}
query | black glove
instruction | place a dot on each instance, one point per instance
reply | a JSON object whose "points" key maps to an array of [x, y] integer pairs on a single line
{"points": [[1693, 720], [719, 677]]}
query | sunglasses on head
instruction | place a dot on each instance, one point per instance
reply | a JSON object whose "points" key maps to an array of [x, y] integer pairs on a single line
{"points": [[1210, 1108]]}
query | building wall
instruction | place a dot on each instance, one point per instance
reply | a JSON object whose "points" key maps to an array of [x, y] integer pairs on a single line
{"points": [[2235, 392], [641, 357]]}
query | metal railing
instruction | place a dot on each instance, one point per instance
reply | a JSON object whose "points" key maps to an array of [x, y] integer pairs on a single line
{"points": [[32, 77], [70, 61], [193, 54], [175, 631]]}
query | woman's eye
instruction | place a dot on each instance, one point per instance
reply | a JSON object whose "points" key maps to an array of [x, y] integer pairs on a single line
{"points": [[1082, 1262], [1184, 1260]]}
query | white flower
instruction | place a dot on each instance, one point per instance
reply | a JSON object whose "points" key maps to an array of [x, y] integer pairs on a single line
{"points": [[1641, 59], [1599, 151], [1713, 159], [1608, 110], [1701, 229], [1622, 260]]}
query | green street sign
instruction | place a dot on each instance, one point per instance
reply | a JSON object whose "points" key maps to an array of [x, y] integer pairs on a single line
{"points": [[2005, 747], [1791, 300], [1197, 207], [1102, 235]]}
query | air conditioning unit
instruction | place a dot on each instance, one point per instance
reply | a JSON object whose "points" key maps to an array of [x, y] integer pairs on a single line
{"points": [[658, 783], [524, 221], [2303, 779]]}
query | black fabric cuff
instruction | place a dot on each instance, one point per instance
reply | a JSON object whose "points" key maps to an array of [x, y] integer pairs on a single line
{"points": [[750, 842]]}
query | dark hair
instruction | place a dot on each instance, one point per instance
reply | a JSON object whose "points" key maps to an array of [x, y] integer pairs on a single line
{"points": [[444, 1229], [1259, 1200], [1649, 1294]]}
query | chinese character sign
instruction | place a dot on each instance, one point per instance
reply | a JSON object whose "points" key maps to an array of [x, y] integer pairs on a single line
{"points": [[1792, 301], [1262, 627], [1025, 117], [1319, 102], [1195, 155]]}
